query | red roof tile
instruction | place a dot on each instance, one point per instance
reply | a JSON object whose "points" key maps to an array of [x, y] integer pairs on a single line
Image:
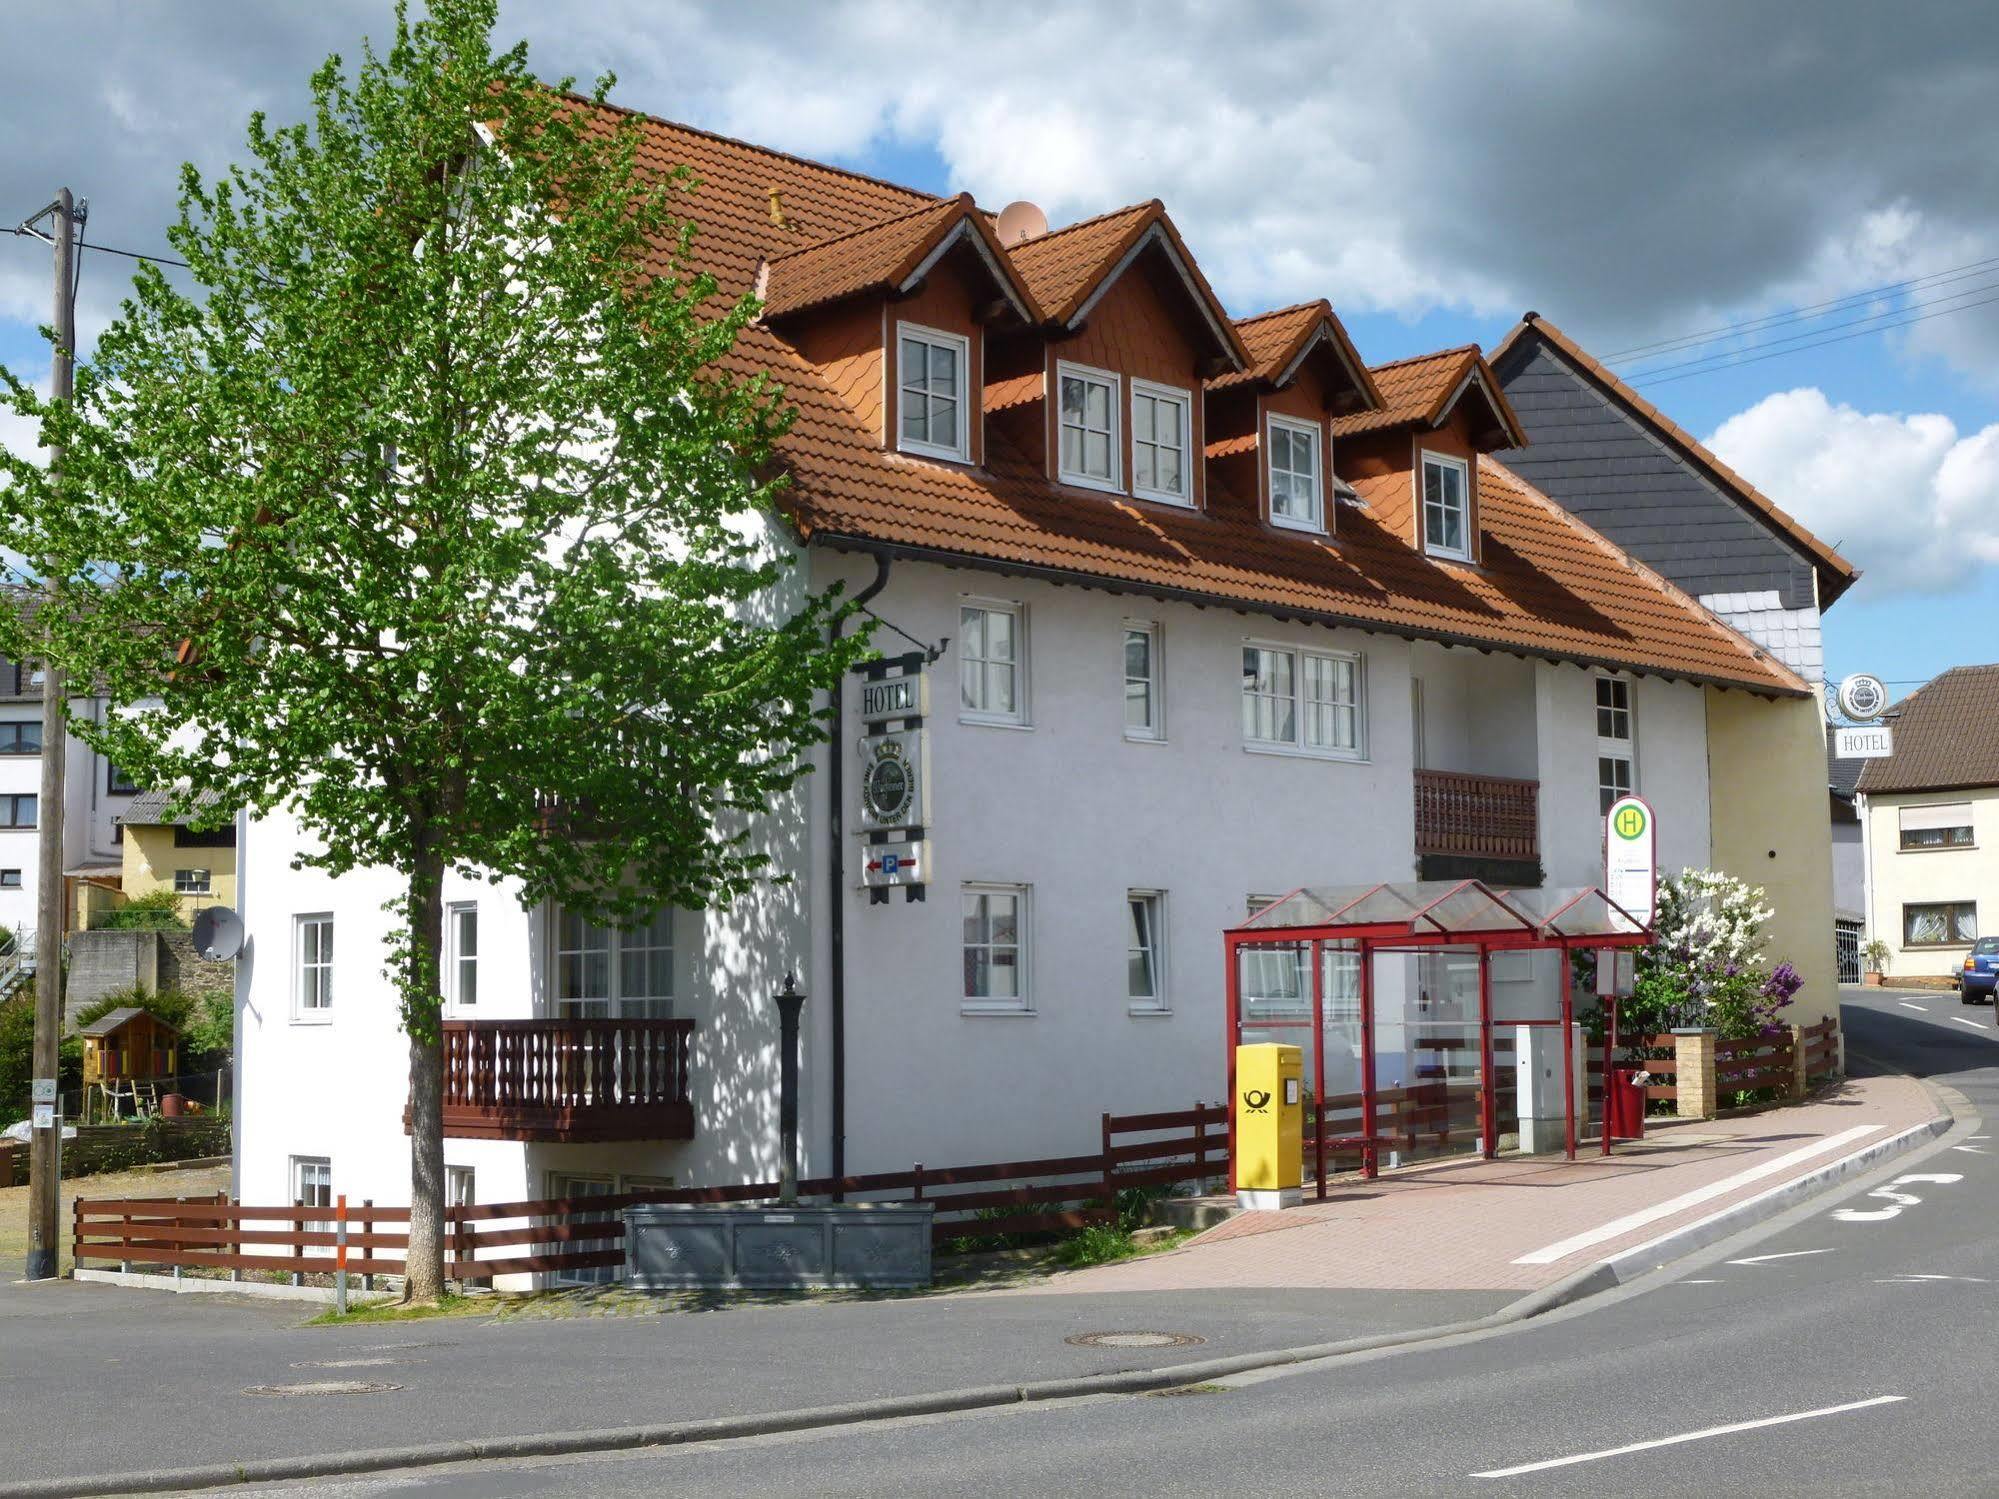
{"points": [[1944, 739], [1276, 340], [1836, 574], [1418, 391], [1547, 585], [882, 257]]}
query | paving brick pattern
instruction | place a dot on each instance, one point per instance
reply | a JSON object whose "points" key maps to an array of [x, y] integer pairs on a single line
{"points": [[1461, 1225]]}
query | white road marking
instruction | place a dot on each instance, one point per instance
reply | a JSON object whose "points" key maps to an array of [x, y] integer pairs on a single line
{"points": [[1700, 1282], [1911, 1277], [1618, 1227], [1896, 1200], [1977, 1137], [1971, 1149], [1974, 1024], [1907, 1006], [1789, 1254], [1691, 1436]]}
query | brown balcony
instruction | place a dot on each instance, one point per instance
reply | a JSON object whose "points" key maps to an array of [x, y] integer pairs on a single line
{"points": [[1477, 817], [567, 1080]]}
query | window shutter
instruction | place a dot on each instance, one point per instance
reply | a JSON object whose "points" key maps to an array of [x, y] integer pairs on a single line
{"points": [[1936, 815]]}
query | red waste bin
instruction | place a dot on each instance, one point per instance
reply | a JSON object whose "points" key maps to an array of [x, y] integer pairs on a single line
{"points": [[1624, 1105]]}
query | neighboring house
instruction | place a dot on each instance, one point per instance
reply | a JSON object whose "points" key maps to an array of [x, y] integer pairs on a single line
{"points": [[1930, 818], [1849, 867], [1221, 612], [1616, 461], [95, 794], [162, 852]]}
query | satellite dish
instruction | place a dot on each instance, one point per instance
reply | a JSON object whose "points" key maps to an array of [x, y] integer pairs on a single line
{"points": [[218, 933], [1021, 221]]}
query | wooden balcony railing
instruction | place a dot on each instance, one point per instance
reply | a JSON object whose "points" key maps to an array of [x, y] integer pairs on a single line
{"points": [[567, 1080], [1481, 817]]}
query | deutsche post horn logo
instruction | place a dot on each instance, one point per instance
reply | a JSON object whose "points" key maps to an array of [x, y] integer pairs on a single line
{"points": [[1257, 1100]]}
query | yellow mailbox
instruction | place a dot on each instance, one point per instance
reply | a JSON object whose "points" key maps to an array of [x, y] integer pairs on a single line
{"points": [[1269, 1125]]}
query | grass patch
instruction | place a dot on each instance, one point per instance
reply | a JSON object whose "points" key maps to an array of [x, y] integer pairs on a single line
{"points": [[1099, 1244], [395, 1311]]}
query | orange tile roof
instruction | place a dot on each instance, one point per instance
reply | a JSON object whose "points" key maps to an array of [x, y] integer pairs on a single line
{"points": [[1274, 340], [1548, 586], [1417, 392], [1835, 572], [881, 257]]}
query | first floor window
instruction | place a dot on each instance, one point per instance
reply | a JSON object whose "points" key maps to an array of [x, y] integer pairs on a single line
{"points": [[461, 943], [1145, 953], [1306, 700], [991, 663], [930, 370], [1949, 923], [1276, 981], [10, 879], [1161, 424], [313, 943], [1089, 436], [117, 782], [17, 811], [191, 882], [1613, 780], [1936, 825], [602, 972], [995, 945], [1446, 506], [20, 738], [1295, 495], [1144, 713]]}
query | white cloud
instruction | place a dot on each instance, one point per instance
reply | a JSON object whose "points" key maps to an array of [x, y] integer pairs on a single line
{"points": [[1911, 499]]}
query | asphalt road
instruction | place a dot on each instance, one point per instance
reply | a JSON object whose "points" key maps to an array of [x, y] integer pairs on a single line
{"points": [[1848, 1348]]}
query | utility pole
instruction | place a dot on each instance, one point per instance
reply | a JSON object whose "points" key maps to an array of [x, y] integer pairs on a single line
{"points": [[45, 1148]]}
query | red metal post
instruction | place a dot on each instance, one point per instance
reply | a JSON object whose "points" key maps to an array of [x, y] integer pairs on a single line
{"points": [[1568, 1012], [1609, 1052], [1319, 1066], [1232, 984], [1368, 1165], [1488, 1104]]}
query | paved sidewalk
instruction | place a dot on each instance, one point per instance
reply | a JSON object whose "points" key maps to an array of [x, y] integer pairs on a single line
{"points": [[1470, 1225]]}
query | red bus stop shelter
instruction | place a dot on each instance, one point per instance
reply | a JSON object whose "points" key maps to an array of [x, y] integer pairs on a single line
{"points": [[1463, 915]]}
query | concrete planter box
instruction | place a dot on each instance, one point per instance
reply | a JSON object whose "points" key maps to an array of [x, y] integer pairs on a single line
{"points": [[672, 1247]]}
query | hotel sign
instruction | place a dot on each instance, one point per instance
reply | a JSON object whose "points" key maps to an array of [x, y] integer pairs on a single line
{"points": [[895, 697], [1868, 742]]}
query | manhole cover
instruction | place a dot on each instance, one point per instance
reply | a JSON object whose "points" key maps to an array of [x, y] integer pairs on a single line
{"points": [[323, 1387], [1134, 1340]]}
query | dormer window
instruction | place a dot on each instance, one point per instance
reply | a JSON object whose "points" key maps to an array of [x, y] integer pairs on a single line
{"points": [[1089, 448], [1161, 424], [931, 375], [1446, 507], [1296, 498]]}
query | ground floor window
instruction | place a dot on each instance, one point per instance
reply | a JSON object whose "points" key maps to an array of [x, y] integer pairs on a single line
{"points": [[584, 1185], [995, 946], [312, 1187], [1950, 923], [191, 882], [1145, 949]]}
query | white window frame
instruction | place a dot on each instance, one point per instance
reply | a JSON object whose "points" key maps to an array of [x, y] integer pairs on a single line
{"points": [[1017, 718], [1316, 522], [1184, 399], [961, 450], [190, 886], [1155, 681], [1160, 1001], [318, 1193], [1114, 408], [322, 1012], [1022, 1003], [455, 958], [1297, 745], [1463, 469], [562, 1184], [614, 1000], [461, 1186], [1612, 746]]}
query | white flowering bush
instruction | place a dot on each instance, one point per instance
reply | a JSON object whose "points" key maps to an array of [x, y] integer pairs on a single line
{"points": [[1708, 965]]}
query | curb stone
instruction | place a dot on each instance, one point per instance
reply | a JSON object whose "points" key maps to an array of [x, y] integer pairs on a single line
{"points": [[1589, 1281]]}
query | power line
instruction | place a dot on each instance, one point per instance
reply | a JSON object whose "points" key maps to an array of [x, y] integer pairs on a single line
{"points": [[1949, 273], [1722, 359], [24, 230], [1839, 339]]}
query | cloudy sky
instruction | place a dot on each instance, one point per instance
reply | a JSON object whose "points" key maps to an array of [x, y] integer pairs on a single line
{"points": [[1637, 172]]}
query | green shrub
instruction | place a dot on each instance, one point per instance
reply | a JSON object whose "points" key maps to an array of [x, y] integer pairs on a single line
{"points": [[1098, 1244], [17, 1055], [155, 911]]}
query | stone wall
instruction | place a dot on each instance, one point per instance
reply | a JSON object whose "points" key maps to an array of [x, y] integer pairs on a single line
{"points": [[181, 967], [102, 963]]}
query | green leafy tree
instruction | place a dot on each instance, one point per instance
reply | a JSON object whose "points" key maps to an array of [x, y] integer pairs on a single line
{"points": [[426, 519]]}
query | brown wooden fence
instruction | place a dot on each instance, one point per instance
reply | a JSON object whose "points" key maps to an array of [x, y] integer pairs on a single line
{"points": [[1752, 1062], [575, 1235], [1821, 1044]]}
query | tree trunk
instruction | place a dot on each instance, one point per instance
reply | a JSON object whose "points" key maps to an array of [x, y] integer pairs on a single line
{"points": [[423, 1011]]}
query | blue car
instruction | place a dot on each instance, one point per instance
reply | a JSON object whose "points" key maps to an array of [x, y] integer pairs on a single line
{"points": [[1981, 972]]}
